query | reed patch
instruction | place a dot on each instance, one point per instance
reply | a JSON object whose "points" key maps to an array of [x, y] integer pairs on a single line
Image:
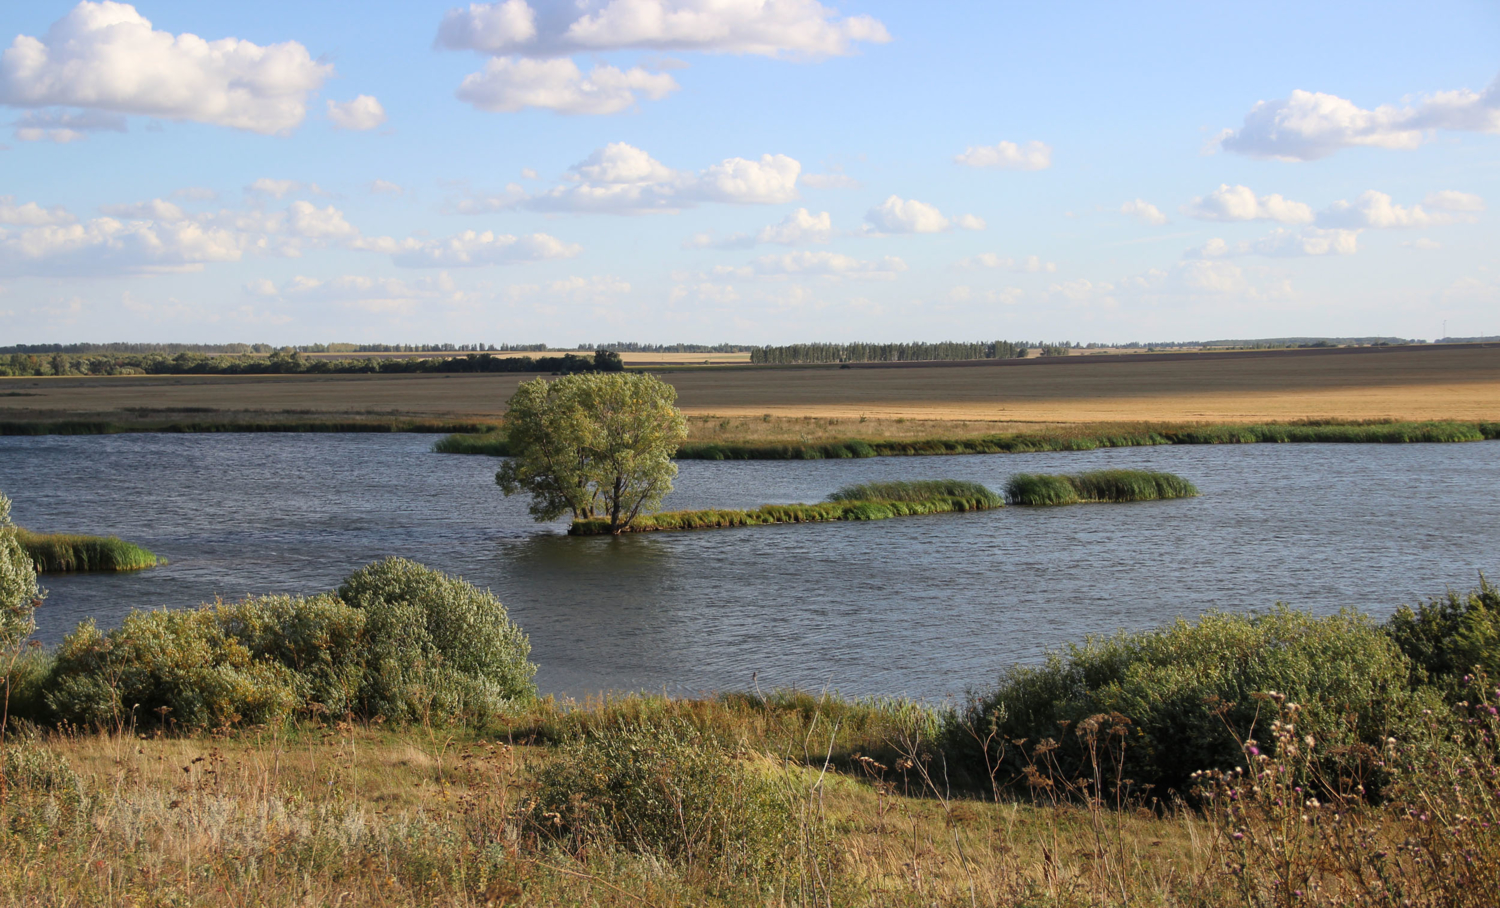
{"points": [[61, 553], [1044, 489]]}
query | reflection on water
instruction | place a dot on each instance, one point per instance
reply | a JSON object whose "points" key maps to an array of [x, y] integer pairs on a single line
{"points": [[923, 606]]}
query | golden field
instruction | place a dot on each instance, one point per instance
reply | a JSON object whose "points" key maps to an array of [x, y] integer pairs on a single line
{"points": [[866, 401]]}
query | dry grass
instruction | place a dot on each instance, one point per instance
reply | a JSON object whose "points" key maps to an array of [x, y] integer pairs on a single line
{"points": [[952, 401]]}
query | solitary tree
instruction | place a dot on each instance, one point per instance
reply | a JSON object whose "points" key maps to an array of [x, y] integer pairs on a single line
{"points": [[596, 444], [19, 592]]}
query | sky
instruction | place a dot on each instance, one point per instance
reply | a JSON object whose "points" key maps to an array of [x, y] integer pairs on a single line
{"points": [[746, 171]]}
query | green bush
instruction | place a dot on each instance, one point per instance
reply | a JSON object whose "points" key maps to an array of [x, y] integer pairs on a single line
{"points": [[319, 638], [180, 667], [664, 789], [1188, 691], [436, 646], [19, 592], [1450, 636]]}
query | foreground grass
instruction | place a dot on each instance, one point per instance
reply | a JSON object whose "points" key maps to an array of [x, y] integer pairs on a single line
{"points": [[57, 553], [353, 814], [868, 501]]}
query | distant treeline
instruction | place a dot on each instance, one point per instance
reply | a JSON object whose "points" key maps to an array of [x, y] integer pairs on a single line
{"points": [[291, 362], [624, 347], [887, 353]]}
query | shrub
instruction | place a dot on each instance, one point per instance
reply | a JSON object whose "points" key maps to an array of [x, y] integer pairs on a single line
{"points": [[436, 645], [19, 593], [1449, 636], [1187, 693], [319, 638], [668, 790], [179, 666]]}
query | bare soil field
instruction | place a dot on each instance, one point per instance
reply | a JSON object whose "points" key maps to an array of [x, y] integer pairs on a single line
{"points": [[866, 401]]}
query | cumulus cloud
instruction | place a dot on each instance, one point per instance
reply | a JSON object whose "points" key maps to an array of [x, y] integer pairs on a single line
{"points": [[509, 84], [623, 179], [799, 228], [1423, 244], [470, 249], [827, 264], [1008, 156], [1031, 264], [897, 215], [154, 210], [106, 57], [1377, 210], [386, 187], [778, 28], [371, 294], [1143, 211], [279, 188], [600, 288], [1240, 203], [1311, 125], [63, 127], [31, 214], [364, 112], [1283, 243]]}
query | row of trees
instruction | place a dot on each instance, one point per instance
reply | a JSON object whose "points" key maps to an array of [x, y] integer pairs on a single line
{"points": [[288, 361], [887, 353]]}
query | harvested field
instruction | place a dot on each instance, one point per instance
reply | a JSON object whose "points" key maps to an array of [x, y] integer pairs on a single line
{"points": [[1458, 382]]}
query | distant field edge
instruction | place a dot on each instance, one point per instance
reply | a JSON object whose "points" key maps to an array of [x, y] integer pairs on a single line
{"points": [[1321, 432], [95, 427]]}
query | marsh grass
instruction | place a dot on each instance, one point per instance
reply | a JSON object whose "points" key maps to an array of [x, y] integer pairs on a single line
{"points": [[59, 553], [1042, 489], [493, 444], [872, 501]]}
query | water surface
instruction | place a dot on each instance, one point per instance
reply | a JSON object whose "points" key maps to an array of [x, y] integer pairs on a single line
{"points": [[918, 606]]}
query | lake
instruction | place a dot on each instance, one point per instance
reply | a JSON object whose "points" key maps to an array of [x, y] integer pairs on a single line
{"points": [[917, 606]]}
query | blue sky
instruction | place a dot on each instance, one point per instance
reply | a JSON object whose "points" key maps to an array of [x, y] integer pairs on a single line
{"points": [[750, 171]]}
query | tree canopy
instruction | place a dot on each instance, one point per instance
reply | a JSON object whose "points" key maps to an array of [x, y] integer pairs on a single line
{"points": [[19, 592], [593, 445]]}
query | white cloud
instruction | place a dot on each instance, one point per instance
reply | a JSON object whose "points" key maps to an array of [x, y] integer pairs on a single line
{"points": [[623, 179], [1240, 203], [1283, 243], [509, 84], [154, 210], [63, 127], [1031, 264], [111, 246], [196, 194], [1007, 296], [386, 187], [1008, 156], [1311, 125], [31, 214], [601, 288], [278, 188], [305, 219], [828, 264], [370, 294], [774, 28], [106, 56], [897, 215], [799, 228], [1143, 211], [705, 292], [1375, 209], [1423, 244], [470, 249], [364, 112]]}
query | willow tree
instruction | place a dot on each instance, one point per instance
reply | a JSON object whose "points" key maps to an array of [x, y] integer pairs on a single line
{"points": [[593, 445], [19, 593]]}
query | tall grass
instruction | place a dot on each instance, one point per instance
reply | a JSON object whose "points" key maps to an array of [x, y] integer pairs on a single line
{"points": [[1041, 489], [60, 553], [493, 444], [872, 501]]}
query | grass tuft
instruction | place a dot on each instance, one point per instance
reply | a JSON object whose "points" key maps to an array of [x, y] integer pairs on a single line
{"points": [[1041, 489], [493, 444], [918, 490], [61, 553]]}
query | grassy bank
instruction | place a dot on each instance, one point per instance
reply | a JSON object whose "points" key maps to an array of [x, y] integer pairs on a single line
{"points": [[1084, 438], [1043, 489], [61, 553], [869, 501]]}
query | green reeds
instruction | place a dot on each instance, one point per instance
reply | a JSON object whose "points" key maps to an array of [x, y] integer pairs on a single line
{"points": [[492, 443], [62, 553], [918, 490], [1041, 489], [947, 496], [193, 426]]}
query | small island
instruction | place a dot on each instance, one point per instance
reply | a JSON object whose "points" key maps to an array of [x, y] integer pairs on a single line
{"points": [[66, 553], [1045, 489]]}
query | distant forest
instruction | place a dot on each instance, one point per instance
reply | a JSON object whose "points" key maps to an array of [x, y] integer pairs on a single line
{"points": [[288, 361]]}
